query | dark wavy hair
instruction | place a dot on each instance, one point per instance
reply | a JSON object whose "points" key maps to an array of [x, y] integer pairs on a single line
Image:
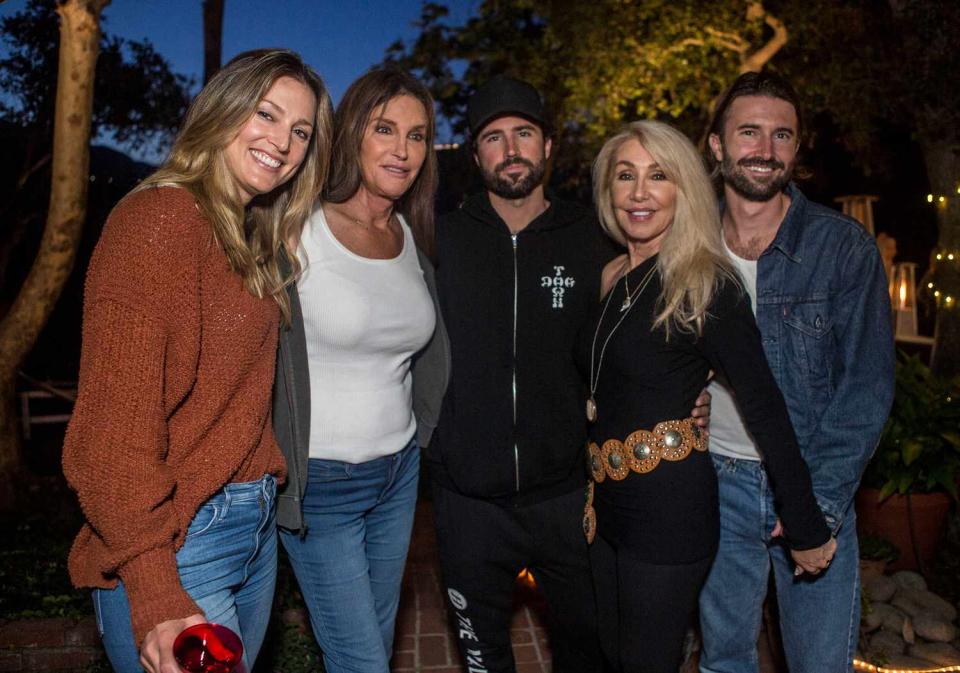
{"points": [[767, 84], [365, 98]]}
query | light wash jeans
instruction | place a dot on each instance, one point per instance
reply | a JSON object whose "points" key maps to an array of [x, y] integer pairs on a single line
{"points": [[819, 616], [228, 565], [350, 561]]}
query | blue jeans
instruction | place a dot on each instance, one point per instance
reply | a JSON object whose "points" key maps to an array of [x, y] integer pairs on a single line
{"points": [[819, 616], [228, 565], [350, 562]]}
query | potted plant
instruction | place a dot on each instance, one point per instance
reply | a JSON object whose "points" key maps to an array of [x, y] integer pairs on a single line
{"points": [[912, 478]]}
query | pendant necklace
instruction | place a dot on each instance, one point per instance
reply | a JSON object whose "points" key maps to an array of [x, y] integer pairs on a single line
{"points": [[630, 297], [625, 307]]}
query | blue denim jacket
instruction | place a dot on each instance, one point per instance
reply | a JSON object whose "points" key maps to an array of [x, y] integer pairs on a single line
{"points": [[823, 311]]}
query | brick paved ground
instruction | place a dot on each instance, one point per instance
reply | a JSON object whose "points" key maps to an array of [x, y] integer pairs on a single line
{"points": [[424, 640]]}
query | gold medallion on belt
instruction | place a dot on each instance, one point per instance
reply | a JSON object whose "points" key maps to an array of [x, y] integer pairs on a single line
{"points": [[640, 452]]}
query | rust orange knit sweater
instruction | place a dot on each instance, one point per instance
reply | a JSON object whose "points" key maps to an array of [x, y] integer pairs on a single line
{"points": [[174, 398]]}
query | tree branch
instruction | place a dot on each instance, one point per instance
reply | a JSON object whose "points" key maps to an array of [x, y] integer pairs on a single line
{"points": [[730, 41], [755, 61]]}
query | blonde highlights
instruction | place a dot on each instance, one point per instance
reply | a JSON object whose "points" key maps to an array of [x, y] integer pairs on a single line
{"points": [[251, 237], [691, 261]]}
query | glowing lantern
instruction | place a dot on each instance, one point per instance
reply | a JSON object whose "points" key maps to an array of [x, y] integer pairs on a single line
{"points": [[903, 298]]}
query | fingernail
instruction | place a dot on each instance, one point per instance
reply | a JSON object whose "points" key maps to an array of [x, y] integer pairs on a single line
{"points": [[797, 571]]}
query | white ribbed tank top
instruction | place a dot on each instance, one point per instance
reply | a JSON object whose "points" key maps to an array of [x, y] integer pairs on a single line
{"points": [[728, 435], [364, 319]]}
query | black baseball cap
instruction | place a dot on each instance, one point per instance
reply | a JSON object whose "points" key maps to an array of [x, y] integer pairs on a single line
{"points": [[504, 96]]}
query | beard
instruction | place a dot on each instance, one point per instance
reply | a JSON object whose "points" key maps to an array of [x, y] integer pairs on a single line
{"points": [[508, 188], [736, 176]]}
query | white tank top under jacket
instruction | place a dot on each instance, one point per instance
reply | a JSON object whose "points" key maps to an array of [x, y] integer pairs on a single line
{"points": [[363, 319], [728, 435]]}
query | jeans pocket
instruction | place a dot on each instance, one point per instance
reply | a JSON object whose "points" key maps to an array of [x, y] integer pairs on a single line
{"points": [[203, 520], [323, 471], [720, 464]]}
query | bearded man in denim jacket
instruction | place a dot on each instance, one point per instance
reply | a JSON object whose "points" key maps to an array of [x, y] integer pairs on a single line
{"points": [[819, 292]]}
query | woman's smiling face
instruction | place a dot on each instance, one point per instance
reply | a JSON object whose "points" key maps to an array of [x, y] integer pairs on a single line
{"points": [[644, 198], [269, 148]]}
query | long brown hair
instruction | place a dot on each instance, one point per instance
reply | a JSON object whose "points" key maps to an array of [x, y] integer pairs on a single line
{"points": [[366, 97], [253, 236]]}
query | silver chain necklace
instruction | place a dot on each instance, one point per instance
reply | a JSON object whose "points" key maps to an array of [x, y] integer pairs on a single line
{"points": [[628, 303]]}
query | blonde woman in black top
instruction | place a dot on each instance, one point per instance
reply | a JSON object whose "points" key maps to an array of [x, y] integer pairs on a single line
{"points": [[672, 309]]}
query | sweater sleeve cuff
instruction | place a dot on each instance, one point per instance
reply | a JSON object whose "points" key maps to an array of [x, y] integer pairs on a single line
{"points": [[154, 592], [807, 532]]}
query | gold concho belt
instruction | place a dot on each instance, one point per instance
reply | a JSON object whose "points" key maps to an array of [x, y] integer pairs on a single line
{"points": [[640, 452]]}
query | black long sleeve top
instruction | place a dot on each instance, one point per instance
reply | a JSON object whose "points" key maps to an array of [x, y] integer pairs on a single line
{"points": [[670, 515]]}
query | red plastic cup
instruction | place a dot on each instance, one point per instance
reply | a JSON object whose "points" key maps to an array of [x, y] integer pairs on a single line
{"points": [[208, 648]]}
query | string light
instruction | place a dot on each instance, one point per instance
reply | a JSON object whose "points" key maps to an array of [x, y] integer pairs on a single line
{"points": [[945, 296], [870, 668], [942, 199], [929, 198]]}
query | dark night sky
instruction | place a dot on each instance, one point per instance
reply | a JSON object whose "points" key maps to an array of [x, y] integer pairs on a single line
{"points": [[339, 38]]}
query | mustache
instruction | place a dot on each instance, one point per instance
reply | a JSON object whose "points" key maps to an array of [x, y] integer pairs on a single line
{"points": [[510, 162], [761, 163]]}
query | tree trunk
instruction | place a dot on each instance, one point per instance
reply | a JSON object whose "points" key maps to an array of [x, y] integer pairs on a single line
{"points": [[212, 37], [79, 47], [942, 159]]}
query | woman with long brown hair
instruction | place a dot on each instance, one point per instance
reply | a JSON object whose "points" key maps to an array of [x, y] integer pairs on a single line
{"points": [[363, 370], [170, 447]]}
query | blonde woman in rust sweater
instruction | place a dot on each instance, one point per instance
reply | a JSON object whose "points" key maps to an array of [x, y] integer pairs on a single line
{"points": [[170, 447]]}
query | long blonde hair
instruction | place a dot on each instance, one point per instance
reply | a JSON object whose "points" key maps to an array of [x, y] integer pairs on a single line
{"points": [[251, 237], [692, 262]]}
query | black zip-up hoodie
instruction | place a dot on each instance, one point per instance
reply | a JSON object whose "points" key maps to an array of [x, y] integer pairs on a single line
{"points": [[513, 427]]}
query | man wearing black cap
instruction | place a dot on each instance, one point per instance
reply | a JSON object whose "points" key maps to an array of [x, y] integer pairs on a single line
{"points": [[518, 271]]}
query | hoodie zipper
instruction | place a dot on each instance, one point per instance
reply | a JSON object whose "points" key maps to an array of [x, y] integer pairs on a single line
{"points": [[516, 449]]}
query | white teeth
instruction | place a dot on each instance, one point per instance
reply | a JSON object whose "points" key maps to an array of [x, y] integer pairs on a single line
{"points": [[394, 169], [265, 158], [641, 213], [760, 169]]}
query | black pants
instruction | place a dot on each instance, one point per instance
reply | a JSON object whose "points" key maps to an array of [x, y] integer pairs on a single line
{"points": [[482, 548], [644, 609]]}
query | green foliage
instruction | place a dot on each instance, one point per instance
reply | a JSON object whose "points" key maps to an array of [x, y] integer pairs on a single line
{"points": [[137, 98], [605, 62], [33, 574], [877, 548], [289, 647], [919, 451], [290, 650]]}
